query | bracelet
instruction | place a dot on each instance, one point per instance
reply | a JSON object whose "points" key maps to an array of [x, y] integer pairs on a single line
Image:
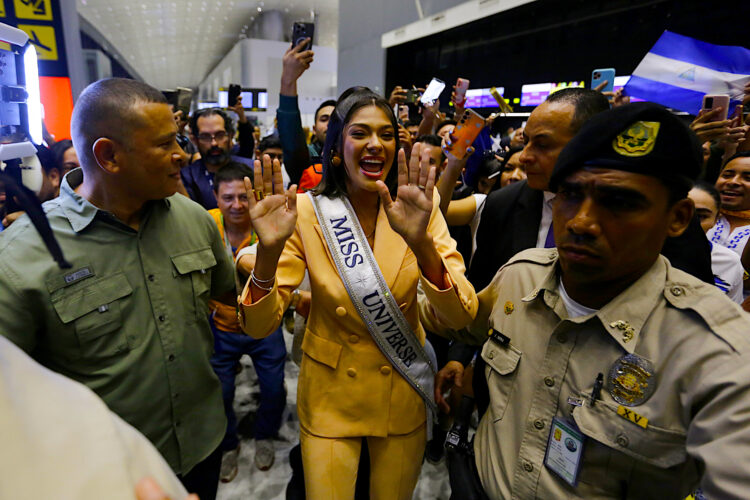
{"points": [[258, 280], [258, 283]]}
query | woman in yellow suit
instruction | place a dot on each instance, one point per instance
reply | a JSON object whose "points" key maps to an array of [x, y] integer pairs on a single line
{"points": [[348, 388]]}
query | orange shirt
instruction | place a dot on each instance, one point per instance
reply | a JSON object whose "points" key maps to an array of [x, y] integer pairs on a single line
{"points": [[310, 178], [225, 317]]}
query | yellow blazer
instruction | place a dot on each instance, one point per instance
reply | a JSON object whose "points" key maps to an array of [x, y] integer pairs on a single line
{"points": [[347, 387]]}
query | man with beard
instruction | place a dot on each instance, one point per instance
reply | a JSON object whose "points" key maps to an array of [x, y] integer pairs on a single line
{"points": [[213, 132]]}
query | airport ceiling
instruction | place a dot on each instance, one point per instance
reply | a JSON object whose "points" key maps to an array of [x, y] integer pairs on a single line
{"points": [[176, 43]]}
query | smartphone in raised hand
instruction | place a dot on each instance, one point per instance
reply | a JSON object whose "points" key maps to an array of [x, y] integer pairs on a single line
{"points": [[714, 101], [600, 75], [466, 131], [412, 96], [433, 91], [462, 85], [232, 94], [300, 31], [184, 99]]}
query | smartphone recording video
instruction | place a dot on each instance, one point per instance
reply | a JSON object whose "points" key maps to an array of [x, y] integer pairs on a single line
{"points": [[715, 101], [301, 31], [232, 95], [433, 91]]}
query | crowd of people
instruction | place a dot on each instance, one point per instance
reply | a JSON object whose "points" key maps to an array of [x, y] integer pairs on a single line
{"points": [[579, 284]]}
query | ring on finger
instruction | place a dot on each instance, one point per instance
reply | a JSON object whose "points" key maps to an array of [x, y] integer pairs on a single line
{"points": [[258, 193], [422, 187]]}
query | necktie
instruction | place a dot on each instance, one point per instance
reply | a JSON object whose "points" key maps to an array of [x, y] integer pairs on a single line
{"points": [[550, 241]]}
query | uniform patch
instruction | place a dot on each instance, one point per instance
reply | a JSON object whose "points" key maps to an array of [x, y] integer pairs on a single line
{"points": [[498, 337], [631, 380], [632, 416], [78, 275], [509, 307], [637, 140]]}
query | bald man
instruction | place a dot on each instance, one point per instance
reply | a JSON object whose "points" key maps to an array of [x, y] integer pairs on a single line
{"points": [[129, 318]]}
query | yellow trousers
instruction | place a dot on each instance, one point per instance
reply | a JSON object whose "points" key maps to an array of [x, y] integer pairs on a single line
{"points": [[331, 464]]}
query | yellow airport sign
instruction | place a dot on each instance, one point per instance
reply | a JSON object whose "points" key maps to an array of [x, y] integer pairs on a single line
{"points": [[43, 40], [38, 10]]}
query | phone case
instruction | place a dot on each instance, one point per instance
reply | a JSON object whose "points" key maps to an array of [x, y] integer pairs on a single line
{"points": [[599, 75], [232, 95], [713, 101], [462, 85], [466, 132], [300, 31]]}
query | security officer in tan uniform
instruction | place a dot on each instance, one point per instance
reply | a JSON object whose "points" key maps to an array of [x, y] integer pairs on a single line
{"points": [[611, 373]]}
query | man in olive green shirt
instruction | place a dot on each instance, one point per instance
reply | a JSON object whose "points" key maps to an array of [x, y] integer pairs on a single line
{"points": [[129, 318]]}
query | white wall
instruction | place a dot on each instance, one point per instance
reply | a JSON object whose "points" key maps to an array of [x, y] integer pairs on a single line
{"points": [[257, 63], [361, 26]]}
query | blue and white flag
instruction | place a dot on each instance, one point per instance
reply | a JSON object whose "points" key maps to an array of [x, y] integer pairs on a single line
{"points": [[678, 71]]}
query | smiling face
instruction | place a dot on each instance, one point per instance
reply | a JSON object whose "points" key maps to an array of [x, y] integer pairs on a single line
{"points": [[369, 148], [545, 135], [610, 226], [150, 159], [231, 198], [734, 184]]}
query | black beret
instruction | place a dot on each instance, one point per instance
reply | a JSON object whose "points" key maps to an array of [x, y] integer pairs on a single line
{"points": [[644, 138]]}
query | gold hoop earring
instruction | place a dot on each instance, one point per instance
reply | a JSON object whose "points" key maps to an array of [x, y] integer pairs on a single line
{"points": [[335, 160]]}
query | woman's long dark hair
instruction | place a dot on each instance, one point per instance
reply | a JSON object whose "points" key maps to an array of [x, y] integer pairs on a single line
{"points": [[333, 183]]}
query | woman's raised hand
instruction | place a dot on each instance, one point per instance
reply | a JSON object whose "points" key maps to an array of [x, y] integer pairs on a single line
{"points": [[409, 214], [273, 211]]}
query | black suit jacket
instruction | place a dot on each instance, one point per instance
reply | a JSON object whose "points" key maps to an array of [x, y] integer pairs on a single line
{"points": [[509, 223]]}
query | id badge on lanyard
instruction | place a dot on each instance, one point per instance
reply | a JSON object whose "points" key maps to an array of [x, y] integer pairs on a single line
{"points": [[565, 450]]}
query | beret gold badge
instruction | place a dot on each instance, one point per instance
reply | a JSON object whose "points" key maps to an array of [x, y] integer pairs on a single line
{"points": [[637, 140]]}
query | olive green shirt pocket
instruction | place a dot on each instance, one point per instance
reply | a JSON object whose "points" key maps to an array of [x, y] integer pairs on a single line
{"points": [[93, 309], [196, 265]]}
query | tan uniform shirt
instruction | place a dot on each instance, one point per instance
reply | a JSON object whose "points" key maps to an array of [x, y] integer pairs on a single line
{"points": [[698, 428]]}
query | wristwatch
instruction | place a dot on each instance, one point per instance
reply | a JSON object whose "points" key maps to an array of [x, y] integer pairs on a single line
{"points": [[295, 300]]}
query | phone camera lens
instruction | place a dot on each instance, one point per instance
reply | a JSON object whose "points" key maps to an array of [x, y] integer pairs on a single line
{"points": [[709, 102]]}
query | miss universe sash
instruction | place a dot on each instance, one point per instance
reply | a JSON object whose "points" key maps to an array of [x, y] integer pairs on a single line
{"points": [[373, 299]]}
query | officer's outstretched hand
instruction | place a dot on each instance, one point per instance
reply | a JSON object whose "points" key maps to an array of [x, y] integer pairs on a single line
{"points": [[450, 375]]}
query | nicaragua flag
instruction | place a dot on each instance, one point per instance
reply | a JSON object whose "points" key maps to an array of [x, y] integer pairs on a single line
{"points": [[679, 70]]}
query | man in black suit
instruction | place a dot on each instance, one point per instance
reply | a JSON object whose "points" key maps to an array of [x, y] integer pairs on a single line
{"points": [[519, 216]]}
